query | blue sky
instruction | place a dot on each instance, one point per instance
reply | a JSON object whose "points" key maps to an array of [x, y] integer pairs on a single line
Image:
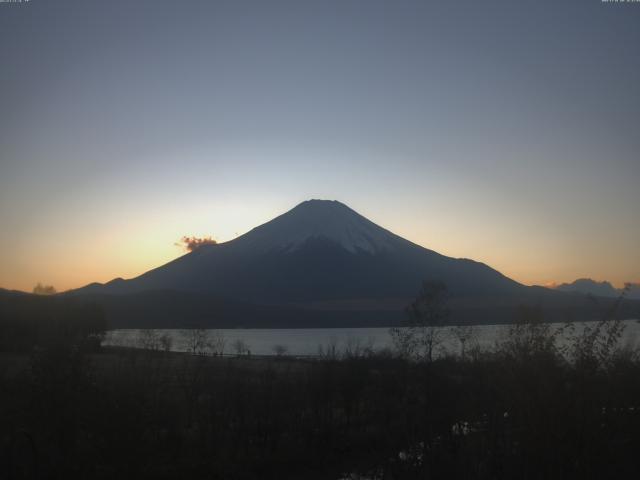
{"points": [[500, 131]]}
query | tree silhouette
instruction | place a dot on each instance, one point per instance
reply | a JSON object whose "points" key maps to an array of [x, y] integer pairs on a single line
{"points": [[419, 335], [41, 289]]}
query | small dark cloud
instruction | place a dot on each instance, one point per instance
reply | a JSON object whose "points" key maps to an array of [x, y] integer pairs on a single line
{"points": [[193, 243]]}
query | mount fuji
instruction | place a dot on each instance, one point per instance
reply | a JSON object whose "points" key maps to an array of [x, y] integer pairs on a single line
{"points": [[320, 250], [319, 264]]}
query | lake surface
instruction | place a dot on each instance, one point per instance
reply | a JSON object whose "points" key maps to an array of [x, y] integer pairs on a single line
{"points": [[312, 341]]}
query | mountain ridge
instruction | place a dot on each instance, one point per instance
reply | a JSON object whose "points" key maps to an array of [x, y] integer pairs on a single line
{"points": [[319, 264], [588, 286], [319, 250]]}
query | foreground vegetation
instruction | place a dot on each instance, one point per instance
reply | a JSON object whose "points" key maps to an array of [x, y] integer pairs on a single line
{"points": [[523, 410]]}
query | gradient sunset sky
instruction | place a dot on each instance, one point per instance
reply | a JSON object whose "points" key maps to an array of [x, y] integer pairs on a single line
{"points": [[503, 131]]}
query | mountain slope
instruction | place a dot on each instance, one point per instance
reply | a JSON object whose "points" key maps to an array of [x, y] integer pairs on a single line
{"points": [[318, 251], [321, 264]]}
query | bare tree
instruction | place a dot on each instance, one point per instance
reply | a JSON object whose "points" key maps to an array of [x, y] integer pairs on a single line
{"points": [[598, 343], [330, 351], [463, 333], [357, 347], [353, 347], [149, 339], [41, 289], [166, 342], [280, 350], [530, 336], [240, 346], [217, 342], [419, 335], [197, 340]]}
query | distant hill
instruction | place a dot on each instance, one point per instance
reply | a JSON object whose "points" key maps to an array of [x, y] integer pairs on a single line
{"points": [[319, 264], [28, 320], [175, 309], [588, 286], [11, 293]]}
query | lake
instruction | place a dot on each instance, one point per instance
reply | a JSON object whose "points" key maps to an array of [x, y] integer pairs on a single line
{"points": [[311, 341]]}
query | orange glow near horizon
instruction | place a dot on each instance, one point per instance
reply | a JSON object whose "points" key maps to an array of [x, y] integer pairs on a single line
{"points": [[71, 261], [169, 121]]}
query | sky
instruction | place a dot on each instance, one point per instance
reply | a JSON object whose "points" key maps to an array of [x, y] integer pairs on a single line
{"points": [[502, 131]]}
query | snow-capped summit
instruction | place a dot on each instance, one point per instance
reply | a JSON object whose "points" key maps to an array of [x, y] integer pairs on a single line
{"points": [[327, 220]]}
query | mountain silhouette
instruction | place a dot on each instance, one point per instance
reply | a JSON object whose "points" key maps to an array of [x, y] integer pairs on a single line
{"points": [[587, 286], [318, 251], [320, 263]]}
